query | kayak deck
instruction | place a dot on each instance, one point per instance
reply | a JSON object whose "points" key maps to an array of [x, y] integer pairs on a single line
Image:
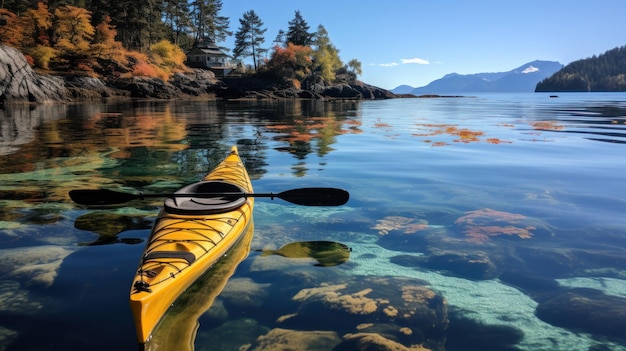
{"points": [[189, 236]]}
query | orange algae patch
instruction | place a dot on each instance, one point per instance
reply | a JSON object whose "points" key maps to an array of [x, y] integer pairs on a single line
{"points": [[547, 125], [481, 234], [465, 135], [497, 141], [471, 217], [481, 225], [406, 225]]}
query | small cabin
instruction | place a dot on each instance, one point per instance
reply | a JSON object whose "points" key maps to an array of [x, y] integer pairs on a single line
{"points": [[206, 54]]}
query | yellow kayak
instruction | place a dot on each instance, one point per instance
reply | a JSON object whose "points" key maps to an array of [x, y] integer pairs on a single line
{"points": [[189, 236]]}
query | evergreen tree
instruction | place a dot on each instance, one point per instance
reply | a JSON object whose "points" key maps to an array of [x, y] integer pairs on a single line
{"points": [[298, 32], [177, 19], [326, 56], [18, 7], [280, 38], [138, 23], [207, 22], [249, 37]]}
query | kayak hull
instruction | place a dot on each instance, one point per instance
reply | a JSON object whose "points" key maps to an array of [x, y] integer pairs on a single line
{"points": [[189, 236]]}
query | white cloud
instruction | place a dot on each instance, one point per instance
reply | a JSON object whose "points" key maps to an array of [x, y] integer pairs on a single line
{"points": [[391, 64], [417, 60]]}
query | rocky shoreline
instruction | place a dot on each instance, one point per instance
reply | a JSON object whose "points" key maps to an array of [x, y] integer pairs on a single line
{"points": [[20, 84]]}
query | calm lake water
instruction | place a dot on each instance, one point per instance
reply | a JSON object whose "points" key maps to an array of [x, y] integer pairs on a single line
{"points": [[486, 222]]}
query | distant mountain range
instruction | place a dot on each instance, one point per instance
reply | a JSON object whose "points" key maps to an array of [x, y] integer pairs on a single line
{"points": [[521, 79]]}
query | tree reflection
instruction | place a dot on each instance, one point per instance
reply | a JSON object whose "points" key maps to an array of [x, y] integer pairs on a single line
{"points": [[48, 150]]}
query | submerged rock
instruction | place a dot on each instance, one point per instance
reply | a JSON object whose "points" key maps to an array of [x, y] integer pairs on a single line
{"points": [[285, 340], [400, 309], [374, 342], [239, 334], [474, 266], [586, 310]]}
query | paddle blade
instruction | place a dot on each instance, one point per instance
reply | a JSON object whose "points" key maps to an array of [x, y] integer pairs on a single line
{"points": [[315, 196], [100, 197]]}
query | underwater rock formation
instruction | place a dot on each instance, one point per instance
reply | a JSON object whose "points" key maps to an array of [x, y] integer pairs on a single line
{"points": [[285, 340], [466, 265], [586, 310], [374, 342], [398, 308], [480, 225]]}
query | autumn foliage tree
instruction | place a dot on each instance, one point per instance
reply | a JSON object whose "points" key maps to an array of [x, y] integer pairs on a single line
{"points": [[168, 56], [73, 30], [11, 33], [104, 44], [326, 55], [36, 26], [293, 63]]}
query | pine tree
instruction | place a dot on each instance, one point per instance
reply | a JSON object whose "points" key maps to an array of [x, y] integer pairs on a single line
{"points": [[177, 19], [249, 37], [207, 22], [298, 32], [138, 23]]}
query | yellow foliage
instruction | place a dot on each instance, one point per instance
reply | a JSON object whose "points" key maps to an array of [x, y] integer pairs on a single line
{"points": [[73, 29], [167, 54], [35, 25], [104, 44], [43, 55]]}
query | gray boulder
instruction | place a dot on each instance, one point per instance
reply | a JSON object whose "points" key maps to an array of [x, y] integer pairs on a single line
{"points": [[20, 84]]}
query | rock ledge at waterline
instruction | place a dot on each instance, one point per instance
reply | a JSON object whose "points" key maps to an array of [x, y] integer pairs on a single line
{"points": [[19, 84]]}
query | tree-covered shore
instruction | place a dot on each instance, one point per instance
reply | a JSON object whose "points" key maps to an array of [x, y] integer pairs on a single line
{"points": [[137, 49], [602, 73]]}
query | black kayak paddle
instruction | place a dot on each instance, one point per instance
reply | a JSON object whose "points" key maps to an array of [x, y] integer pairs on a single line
{"points": [[302, 196]]}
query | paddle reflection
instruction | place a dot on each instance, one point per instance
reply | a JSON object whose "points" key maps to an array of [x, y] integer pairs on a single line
{"points": [[108, 226], [325, 253]]}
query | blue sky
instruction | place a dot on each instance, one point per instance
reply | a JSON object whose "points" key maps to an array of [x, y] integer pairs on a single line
{"points": [[414, 42]]}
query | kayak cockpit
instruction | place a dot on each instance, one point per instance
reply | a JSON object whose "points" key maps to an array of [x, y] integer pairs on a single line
{"points": [[227, 197]]}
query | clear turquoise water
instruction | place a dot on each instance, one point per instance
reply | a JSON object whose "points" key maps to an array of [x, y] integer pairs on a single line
{"points": [[509, 207]]}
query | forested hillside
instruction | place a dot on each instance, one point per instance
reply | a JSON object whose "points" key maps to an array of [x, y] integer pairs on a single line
{"points": [[606, 72], [125, 38]]}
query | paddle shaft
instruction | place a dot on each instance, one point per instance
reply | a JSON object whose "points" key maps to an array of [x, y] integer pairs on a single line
{"points": [[141, 196], [302, 196]]}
